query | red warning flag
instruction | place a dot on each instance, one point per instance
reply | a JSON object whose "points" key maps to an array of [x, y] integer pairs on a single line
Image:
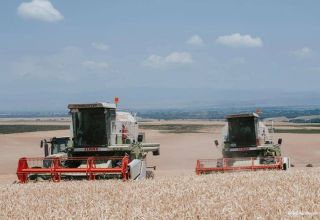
{"points": [[116, 100]]}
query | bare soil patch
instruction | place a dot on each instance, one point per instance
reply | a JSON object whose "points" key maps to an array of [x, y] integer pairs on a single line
{"points": [[182, 143]]}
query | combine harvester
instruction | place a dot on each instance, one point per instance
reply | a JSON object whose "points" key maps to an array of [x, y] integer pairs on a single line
{"points": [[247, 146], [104, 144]]}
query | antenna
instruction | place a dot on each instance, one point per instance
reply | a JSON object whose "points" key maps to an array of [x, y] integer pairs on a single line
{"points": [[116, 100]]}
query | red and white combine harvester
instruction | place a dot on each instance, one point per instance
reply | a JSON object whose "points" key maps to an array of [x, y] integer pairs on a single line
{"points": [[247, 146], [104, 144]]}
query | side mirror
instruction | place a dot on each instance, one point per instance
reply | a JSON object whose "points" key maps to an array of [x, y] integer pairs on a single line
{"points": [[156, 153], [41, 144], [140, 138], [216, 142], [46, 149], [280, 141]]}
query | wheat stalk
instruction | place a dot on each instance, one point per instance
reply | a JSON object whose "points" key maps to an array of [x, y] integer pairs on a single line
{"points": [[246, 195]]}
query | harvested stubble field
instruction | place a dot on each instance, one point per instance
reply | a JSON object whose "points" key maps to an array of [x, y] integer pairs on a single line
{"points": [[246, 195], [180, 128], [202, 128], [298, 131], [11, 129]]}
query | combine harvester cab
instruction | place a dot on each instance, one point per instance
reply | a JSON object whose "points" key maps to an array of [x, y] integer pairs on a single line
{"points": [[247, 146], [104, 144]]}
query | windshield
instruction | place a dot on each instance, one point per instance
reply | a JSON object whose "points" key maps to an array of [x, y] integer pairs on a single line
{"points": [[57, 148], [242, 131], [59, 145], [89, 127]]}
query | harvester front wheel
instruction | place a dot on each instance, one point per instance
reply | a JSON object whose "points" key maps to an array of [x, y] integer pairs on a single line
{"points": [[220, 163], [268, 160]]}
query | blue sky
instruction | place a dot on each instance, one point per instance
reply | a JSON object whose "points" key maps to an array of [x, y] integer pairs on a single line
{"points": [[158, 53]]}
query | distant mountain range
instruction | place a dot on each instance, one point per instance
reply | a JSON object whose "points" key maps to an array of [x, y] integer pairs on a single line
{"points": [[288, 112], [138, 99], [283, 113]]}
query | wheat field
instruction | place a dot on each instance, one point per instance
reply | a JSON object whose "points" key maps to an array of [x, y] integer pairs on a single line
{"points": [[245, 195]]}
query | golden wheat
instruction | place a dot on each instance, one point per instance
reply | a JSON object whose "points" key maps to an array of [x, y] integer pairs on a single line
{"points": [[246, 195]]}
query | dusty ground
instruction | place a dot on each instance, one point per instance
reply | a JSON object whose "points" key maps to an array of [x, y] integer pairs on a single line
{"points": [[176, 192], [14, 146], [179, 152]]}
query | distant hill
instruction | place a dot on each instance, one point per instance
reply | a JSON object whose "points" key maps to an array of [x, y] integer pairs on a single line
{"points": [[306, 119], [294, 114], [298, 114]]}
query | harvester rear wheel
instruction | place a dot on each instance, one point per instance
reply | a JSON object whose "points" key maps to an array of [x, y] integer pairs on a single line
{"points": [[284, 166], [149, 174]]}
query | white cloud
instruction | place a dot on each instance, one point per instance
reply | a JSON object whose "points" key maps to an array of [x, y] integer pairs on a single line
{"points": [[41, 10], [155, 60], [195, 40], [100, 46], [302, 53], [69, 64], [179, 57], [172, 58], [238, 40], [63, 65], [98, 66]]}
